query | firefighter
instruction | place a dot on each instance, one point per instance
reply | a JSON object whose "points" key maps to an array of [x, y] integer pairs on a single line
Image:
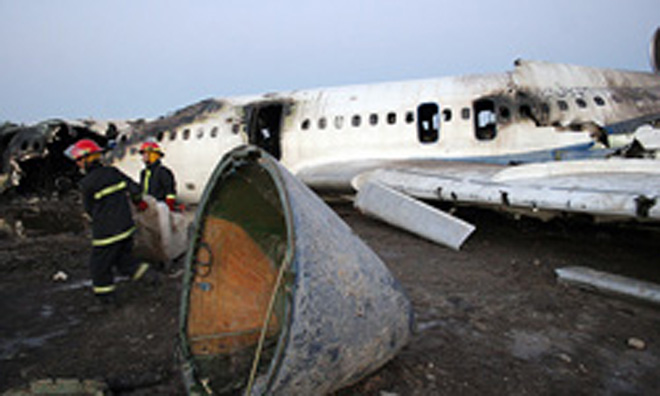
{"points": [[106, 192], [156, 179]]}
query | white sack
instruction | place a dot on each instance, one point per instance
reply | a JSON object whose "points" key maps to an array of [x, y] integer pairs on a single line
{"points": [[161, 235]]}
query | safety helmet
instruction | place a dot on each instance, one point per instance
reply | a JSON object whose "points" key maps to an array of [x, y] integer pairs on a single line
{"points": [[82, 148], [151, 146]]}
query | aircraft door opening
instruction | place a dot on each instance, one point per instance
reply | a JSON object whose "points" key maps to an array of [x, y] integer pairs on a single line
{"points": [[264, 128], [485, 119], [428, 122]]}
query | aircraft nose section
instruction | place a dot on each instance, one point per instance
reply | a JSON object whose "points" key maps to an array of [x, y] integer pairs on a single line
{"points": [[280, 296]]}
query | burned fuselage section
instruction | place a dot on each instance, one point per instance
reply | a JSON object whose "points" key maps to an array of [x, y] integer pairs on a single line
{"points": [[196, 137], [577, 98], [537, 112], [162, 128], [32, 157], [570, 99]]}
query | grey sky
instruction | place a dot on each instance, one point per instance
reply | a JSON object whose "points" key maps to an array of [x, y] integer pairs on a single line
{"points": [[145, 58]]}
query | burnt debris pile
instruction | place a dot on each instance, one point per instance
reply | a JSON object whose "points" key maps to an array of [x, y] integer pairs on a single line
{"points": [[32, 160]]}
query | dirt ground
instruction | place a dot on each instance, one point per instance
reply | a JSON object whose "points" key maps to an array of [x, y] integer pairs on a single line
{"points": [[491, 318]]}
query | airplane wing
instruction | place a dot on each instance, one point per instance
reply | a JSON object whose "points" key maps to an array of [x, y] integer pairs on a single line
{"points": [[618, 188], [608, 189]]}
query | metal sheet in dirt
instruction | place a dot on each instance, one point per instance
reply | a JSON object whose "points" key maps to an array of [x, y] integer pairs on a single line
{"points": [[280, 296]]}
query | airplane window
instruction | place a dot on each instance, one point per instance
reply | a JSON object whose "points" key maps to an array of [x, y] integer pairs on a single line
{"points": [[159, 137], [373, 119], [356, 120], [563, 106], [410, 117], [465, 113], [173, 135], [446, 115], [305, 125], [391, 118], [322, 123], [214, 131], [599, 101], [581, 103], [339, 122], [505, 113], [200, 133], [526, 111], [186, 134], [235, 129]]}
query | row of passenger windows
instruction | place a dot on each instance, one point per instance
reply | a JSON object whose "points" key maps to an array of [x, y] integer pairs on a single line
{"points": [[356, 120], [187, 133], [409, 117], [581, 103], [390, 118]]}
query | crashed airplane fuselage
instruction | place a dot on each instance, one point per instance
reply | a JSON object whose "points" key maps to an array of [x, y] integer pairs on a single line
{"points": [[537, 112]]}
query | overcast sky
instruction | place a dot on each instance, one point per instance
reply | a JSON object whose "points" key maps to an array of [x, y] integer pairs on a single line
{"points": [[144, 58]]}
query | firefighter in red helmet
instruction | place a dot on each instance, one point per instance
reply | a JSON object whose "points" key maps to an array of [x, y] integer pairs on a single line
{"points": [[106, 194], [156, 179]]}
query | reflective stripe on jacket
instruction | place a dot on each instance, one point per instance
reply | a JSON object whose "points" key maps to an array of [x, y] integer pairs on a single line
{"points": [[105, 192], [157, 180]]}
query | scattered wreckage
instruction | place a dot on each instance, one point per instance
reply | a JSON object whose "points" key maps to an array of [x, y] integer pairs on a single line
{"points": [[33, 164], [32, 157], [280, 296], [610, 284]]}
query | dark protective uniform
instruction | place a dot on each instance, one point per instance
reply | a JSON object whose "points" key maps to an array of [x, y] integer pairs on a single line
{"points": [[157, 180], [105, 193]]}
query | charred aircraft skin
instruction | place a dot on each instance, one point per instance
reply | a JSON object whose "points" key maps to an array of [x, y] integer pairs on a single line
{"points": [[574, 99], [32, 156], [127, 139], [32, 160]]}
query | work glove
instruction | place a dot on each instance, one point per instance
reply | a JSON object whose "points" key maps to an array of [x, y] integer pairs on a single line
{"points": [[142, 206], [171, 203]]}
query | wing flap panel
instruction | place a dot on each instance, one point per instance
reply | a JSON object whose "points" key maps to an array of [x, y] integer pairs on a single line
{"points": [[402, 211], [615, 193]]}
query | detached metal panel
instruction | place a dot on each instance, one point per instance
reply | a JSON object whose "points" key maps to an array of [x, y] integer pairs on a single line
{"points": [[336, 313]]}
